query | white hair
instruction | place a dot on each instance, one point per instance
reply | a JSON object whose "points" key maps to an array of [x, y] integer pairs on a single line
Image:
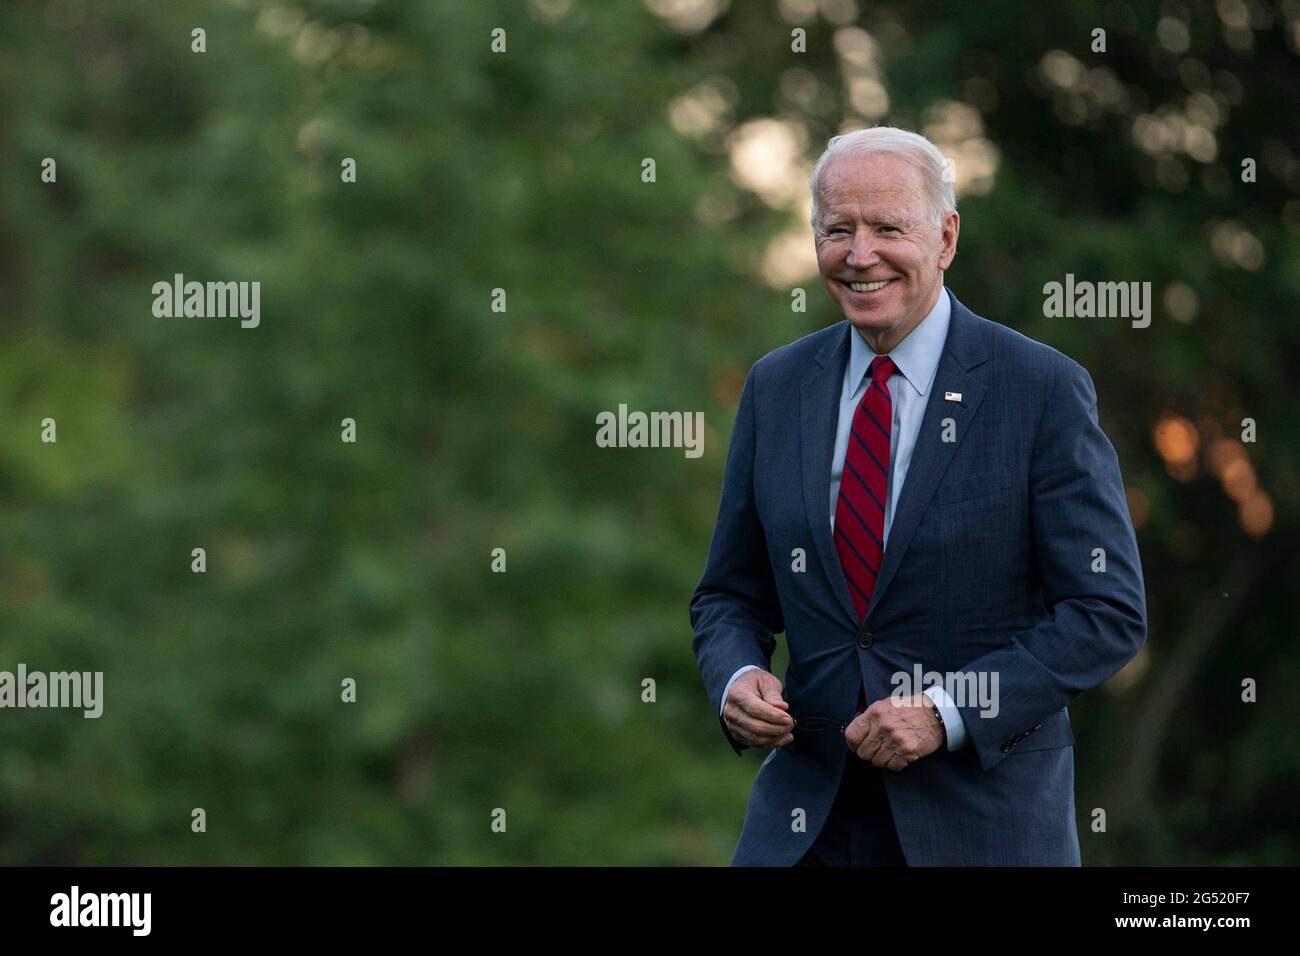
{"points": [[922, 153]]}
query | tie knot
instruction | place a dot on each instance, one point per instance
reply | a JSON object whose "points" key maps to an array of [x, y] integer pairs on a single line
{"points": [[882, 366]]}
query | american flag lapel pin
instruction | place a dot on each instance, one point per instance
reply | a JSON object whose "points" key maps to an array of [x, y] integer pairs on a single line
{"points": [[952, 396]]}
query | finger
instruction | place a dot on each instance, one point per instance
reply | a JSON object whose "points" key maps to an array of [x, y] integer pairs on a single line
{"points": [[758, 725], [769, 694], [870, 749], [896, 758], [760, 710], [871, 740], [878, 737], [743, 735], [757, 729], [856, 732], [768, 740]]}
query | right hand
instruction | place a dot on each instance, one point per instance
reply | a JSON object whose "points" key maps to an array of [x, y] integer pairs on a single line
{"points": [[754, 712]]}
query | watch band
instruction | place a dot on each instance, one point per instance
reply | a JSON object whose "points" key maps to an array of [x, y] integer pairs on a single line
{"points": [[938, 717]]}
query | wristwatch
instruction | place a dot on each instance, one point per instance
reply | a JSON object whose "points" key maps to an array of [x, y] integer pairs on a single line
{"points": [[938, 717]]}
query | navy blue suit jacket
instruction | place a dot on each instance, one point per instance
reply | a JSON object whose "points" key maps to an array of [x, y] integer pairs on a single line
{"points": [[989, 567]]}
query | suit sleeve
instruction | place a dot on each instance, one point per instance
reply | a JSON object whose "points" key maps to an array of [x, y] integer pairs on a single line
{"points": [[1096, 619], [735, 613]]}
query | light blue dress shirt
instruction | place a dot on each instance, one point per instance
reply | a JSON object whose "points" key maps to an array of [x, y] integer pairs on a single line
{"points": [[916, 360]]}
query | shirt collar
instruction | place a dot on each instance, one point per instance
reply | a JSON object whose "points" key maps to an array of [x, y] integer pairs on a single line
{"points": [[916, 357]]}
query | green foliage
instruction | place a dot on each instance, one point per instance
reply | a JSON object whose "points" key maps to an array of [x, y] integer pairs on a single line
{"points": [[521, 171]]}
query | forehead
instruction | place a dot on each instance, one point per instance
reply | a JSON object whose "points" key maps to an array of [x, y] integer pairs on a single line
{"points": [[880, 181]]}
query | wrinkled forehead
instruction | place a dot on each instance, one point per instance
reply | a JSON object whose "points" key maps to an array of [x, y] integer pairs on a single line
{"points": [[880, 182]]}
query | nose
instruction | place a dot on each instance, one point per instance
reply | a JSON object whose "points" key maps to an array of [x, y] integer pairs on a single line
{"points": [[862, 250]]}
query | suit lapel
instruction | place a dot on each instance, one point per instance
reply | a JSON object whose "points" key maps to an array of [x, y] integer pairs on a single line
{"points": [[819, 410], [819, 401], [963, 350]]}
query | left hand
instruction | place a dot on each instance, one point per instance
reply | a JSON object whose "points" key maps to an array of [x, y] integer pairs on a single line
{"points": [[895, 732]]}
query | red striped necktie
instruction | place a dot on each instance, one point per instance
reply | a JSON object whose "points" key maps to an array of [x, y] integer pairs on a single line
{"points": [[860, 510]]}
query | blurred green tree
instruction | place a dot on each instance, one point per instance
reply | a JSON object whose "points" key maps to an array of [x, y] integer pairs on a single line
{"points": [[521, 171]]}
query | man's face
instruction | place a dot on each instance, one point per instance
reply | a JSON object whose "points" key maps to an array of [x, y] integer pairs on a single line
{"points": [[877, 228]]}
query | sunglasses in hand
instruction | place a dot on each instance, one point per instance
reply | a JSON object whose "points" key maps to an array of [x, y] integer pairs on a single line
{"points": [[818, 724]]}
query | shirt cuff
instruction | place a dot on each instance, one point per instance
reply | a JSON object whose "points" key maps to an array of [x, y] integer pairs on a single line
{"points": [[727, 690], [952, 722]]}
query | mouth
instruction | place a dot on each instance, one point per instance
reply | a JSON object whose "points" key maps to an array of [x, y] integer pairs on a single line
{"points": [[867, 288]]}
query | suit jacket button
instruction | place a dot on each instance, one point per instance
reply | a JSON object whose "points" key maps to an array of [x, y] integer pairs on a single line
{"points": [[864, 639], [1006, 747]]}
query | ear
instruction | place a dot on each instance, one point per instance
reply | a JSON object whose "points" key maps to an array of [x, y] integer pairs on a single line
{"points": [[948, 231]]}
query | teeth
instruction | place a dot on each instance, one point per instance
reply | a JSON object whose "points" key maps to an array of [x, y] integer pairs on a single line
{"points": [[868, 286]]}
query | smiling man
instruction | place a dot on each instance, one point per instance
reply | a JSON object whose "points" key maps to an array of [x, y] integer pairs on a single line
{"points": [[914, 489]]}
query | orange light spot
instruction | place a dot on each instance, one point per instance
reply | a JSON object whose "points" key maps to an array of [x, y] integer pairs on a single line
{"points": [[1238, 479], [1256, 514], [1221, 452], [1176, 440]]}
